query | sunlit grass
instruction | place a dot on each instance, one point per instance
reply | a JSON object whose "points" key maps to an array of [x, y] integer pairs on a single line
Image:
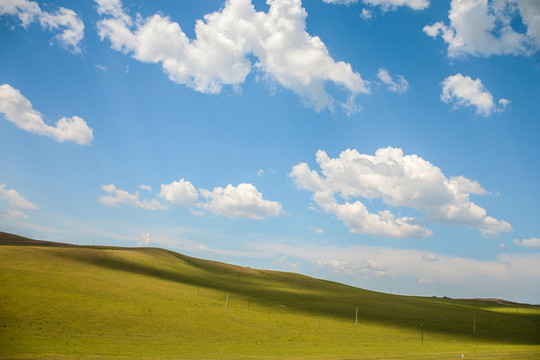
{"points": [[515, 310], [103, 303]]}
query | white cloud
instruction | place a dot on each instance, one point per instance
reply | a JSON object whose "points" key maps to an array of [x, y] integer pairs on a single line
{"points": [[284, 263], [260, 172], [484, 28], [15, 199], [397, 180], [145, 187], [350, 107], [225, 41], [462, 91], [317, 230], [101, 67], [340, 2], [400, 85], [356, 269], [430, 257], [179, 192], [65, 20], [18, 110], [145, 239], [366, 14], [394, 4], [243, 201], [16, 204], [531, 243], [385, 5], [425, 281], [119, 196]]}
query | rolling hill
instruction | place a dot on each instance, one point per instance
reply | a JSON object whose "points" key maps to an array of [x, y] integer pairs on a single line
{"points": [[61, 301]]}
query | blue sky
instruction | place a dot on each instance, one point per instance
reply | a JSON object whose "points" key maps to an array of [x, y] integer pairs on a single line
{"points": [[388, 144]]}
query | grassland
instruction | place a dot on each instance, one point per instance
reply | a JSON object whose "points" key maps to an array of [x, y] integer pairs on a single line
{"points": [[78, 302]]}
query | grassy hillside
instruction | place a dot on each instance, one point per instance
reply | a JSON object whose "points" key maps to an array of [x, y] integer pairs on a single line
{"points": [[65, 302]]}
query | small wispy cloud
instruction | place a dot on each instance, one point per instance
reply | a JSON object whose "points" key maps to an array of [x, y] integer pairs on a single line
{"points": [[532, 243], [366, 14], [395, 85], [317, 230]]}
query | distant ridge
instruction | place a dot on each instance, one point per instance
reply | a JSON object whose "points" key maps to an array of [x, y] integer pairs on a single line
{"points": [[11, 239], [498, 301]]}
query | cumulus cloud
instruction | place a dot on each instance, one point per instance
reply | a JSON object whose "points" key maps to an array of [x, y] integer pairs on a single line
{"points": [[399, 181], [119, 196], [399, 85], [225, 42], [531, 243], [64, 20], [462, 91], [484, 28], [17, 204], [242, 201], [179, 192], [19, 111]]}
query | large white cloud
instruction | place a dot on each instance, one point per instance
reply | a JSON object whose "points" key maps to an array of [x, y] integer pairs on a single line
{"points": [[461, 90], [225, 40], [18, 110], [399, 181], [179, 192], [242, 201], [65, 20], [17, 204], [484, 28]]}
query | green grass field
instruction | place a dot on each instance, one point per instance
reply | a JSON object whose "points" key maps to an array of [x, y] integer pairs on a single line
{"points": [[79, 302]]}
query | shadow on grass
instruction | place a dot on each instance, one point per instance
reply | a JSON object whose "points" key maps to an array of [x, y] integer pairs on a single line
{"points": [[324, 298]]}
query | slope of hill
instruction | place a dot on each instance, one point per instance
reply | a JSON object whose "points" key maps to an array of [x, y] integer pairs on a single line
{"points": [[65, 302]]}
